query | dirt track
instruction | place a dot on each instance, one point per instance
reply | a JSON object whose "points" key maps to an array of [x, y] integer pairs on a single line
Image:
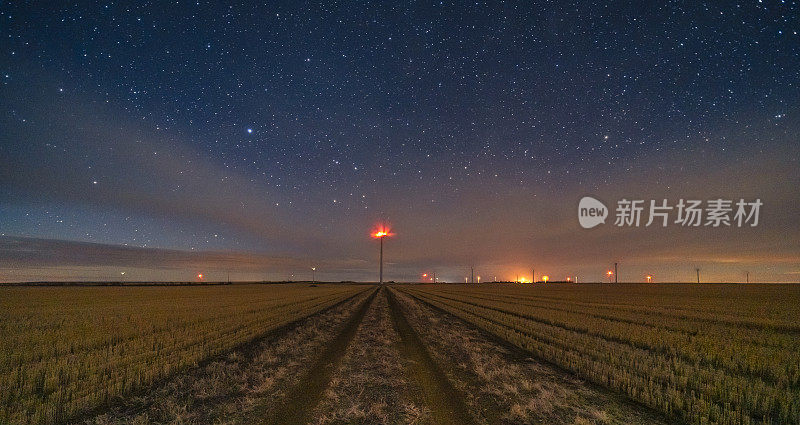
{"points": [[436, 392], [382, 357], [232, 386], [297, 407]]}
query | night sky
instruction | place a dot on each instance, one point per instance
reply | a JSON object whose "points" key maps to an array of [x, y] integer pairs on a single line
{"points": [[158, 140]]}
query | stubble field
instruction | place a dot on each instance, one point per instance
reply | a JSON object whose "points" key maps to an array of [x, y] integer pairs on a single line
{"points": [[401, 354]]}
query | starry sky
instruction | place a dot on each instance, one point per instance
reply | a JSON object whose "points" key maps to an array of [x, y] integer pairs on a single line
{"points": [[158, 140]]}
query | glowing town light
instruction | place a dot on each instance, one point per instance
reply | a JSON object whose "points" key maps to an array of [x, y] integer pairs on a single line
{"points": [[545, 278], [479, 279], [569, 279], [649, 278], [522, 280], [200, 276], [609, 274]]}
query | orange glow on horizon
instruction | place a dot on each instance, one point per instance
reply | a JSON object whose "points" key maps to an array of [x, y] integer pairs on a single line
{"points": [[545, 278], [200, 276]]}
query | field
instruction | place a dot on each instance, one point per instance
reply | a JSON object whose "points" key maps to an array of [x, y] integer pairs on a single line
{"points": [[706, 354], [401, 354], [65, 351]]}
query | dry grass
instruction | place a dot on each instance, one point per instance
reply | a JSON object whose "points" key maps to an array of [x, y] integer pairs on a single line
{"points": [[507, 388], [370, 387], [225, 388], [725, 354], [65, 351]]}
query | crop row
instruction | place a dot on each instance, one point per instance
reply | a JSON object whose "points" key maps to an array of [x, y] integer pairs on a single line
{"points": [[691, 376], [69, 350], [720, 347]]}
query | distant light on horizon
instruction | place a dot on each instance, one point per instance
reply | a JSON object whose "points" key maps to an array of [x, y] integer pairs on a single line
{"points": [[500, 191]]}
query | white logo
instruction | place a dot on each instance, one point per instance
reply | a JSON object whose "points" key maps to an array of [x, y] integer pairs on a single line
{"points": [[591, 212]]}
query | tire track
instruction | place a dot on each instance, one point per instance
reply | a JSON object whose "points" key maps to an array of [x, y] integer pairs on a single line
{"points": [[371, 385], [511, 384], [222, 386], [435, 390], [298, 404]]}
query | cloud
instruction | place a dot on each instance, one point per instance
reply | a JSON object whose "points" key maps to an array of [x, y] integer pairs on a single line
{"points": [[54, 147], [57, 147], [19, 254]]}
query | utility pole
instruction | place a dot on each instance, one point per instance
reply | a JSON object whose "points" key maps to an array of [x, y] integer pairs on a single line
{"points": [[434, 277], [533, 275], [616, 276], [381, 270], [698, 274], [313, 275], [747, 274], [472, 274]]}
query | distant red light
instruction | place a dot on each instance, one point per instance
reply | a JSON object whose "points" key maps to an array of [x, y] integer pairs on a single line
{"points": [[381, 232]]}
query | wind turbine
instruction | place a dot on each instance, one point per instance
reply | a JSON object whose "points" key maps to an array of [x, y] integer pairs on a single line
{"points": [[381, 233]]}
